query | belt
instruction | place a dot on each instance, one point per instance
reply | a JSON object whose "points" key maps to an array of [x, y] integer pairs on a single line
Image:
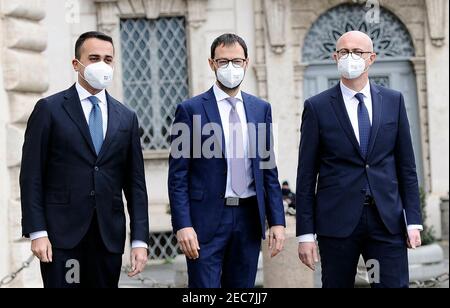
{"points": [[369, 201], [236, 202]]}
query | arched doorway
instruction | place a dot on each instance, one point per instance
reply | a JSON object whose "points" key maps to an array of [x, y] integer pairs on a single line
{"points": [[392, 43]]}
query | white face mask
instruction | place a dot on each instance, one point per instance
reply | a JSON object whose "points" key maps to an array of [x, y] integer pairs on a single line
{"points": [[99, 75], [230, 76], [350, 68]]}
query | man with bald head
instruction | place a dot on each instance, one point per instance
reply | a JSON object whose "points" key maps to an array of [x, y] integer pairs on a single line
{"points": [[357, 186]]}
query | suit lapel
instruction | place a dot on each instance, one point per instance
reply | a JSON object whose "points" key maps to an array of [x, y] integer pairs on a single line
{"points": [[113, 125], [212, 112], [250, 112], [72, 105], [337, 101], [250, 108], [377, 107]]}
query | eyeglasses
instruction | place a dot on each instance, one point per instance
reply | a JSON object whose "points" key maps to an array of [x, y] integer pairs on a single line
{"points": [[356, 54], [237, 63]]}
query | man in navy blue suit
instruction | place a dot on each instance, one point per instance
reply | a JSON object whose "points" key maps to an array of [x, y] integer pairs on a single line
{"points": [[82, 150], [222, 185], [357, 187]]}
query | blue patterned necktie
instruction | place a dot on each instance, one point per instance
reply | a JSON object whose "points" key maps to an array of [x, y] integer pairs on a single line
{"points": [[365, 129], [96, 124]]}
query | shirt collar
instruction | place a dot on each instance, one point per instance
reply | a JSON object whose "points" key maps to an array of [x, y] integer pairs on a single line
{"points": [[84, 94], [221, 95], [349, 93]]}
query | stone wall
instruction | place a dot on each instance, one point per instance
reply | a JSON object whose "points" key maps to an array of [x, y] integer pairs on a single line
{"points": [[4, 175], [25, 78]]}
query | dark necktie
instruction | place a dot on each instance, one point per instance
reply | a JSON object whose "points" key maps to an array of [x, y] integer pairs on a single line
{"points": [[364, 130]]}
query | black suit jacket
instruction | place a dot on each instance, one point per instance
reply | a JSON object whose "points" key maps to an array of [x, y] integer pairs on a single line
{"points": [[64, 182]]}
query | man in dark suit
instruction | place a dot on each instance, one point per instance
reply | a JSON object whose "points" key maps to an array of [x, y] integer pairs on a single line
{"points": [[82, 149], [220, 190], [357, 186]]}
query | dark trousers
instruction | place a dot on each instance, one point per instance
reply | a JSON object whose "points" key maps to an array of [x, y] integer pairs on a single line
{"points": [[230, 259], [88, 265], [372, 240]]}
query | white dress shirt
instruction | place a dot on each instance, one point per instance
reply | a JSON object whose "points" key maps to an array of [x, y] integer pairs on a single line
{"points": [[87, 105], [224, 110], [87, 108], [351, 104]]}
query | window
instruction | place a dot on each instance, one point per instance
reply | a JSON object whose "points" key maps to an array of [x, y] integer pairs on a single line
{"points": [[155, 75], [390, 37]]}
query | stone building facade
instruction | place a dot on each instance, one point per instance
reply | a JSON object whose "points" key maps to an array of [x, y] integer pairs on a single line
{"points": [[289, 40]]}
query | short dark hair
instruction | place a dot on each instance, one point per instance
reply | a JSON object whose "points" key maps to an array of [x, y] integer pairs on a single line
{"points": [[88, 35], [228, 39]]}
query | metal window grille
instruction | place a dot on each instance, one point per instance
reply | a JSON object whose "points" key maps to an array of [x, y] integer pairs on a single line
{"points": [[155, 74]]}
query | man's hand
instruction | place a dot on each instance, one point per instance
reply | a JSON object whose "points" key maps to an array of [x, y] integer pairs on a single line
{"points": [[277, 236], [187, 238], [307, 253], [414, 239], [138, 261], [42, 249]]}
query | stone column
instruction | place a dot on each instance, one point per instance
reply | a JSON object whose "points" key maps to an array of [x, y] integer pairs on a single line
{"points": [[260, 58], [196, 16], [25, 80], [420, 70]]}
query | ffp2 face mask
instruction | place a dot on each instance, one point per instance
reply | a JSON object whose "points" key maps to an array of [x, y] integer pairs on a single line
{"points": [[99, 75]]}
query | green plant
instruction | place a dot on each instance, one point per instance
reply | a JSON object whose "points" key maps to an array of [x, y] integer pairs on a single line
{"points": [[428, 236]]}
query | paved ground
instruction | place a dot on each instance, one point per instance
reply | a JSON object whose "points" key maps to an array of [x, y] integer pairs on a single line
{"points": [[162, 275], [156, 275]]}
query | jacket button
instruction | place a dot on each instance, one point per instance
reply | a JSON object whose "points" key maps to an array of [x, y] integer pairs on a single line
{"points": [[96, 168], [92, 193], [367, 166]]}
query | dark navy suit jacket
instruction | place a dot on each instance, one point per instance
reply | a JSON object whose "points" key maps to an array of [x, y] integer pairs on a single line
{"points": [[63, 181], [197, 185], [332, 171]]}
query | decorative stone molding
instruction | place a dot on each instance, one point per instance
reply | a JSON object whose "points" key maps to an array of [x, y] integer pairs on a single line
{"points": [[275, 14], [25, 35], [436, 20], [107, 15], [21, 105], [31, 9], [109, 12], [196, 12], [23, 71]]}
